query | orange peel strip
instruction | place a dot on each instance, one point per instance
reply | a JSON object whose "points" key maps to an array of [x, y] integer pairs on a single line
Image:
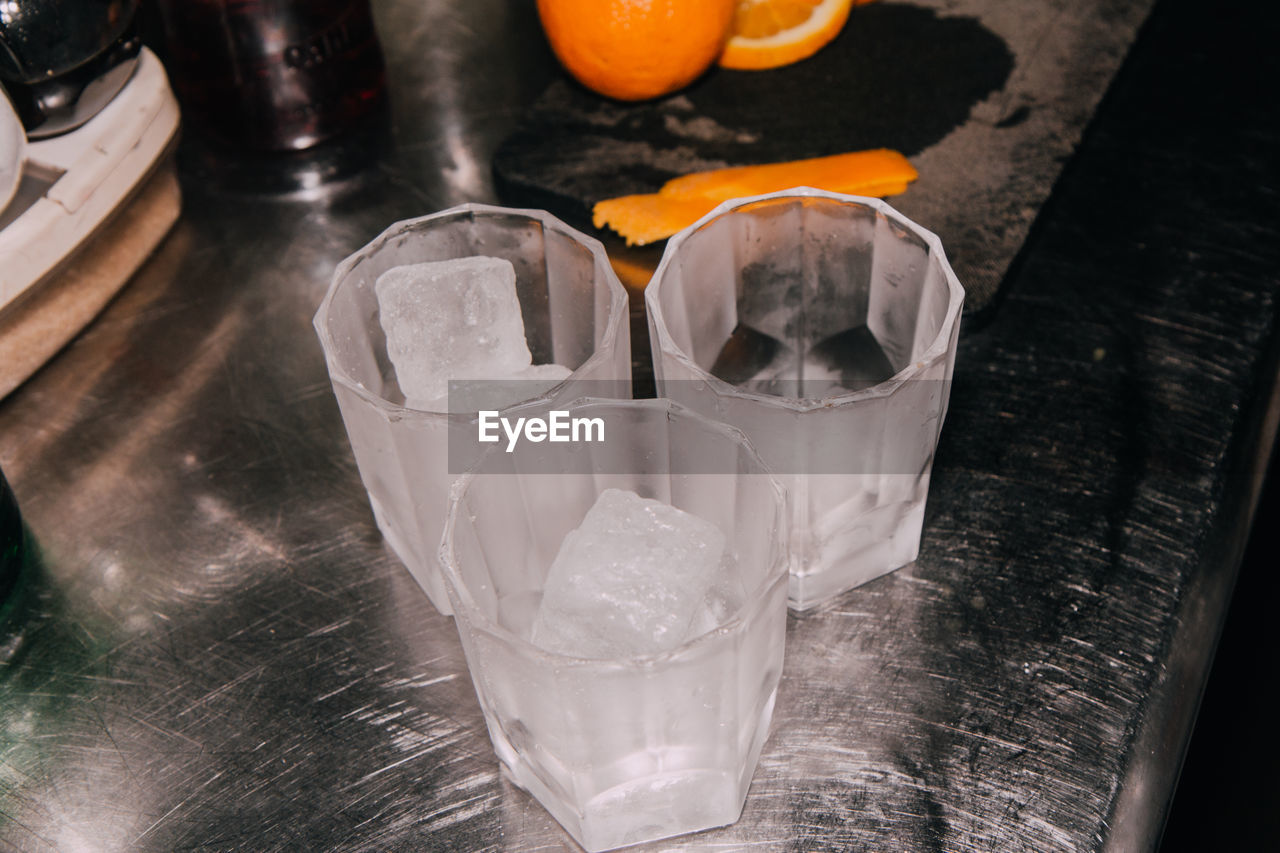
{"points": [[650, 217], [837, 172], [645, 218]]}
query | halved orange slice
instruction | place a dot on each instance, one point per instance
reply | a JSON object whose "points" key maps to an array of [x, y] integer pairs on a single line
{"points": [[770, 33]]}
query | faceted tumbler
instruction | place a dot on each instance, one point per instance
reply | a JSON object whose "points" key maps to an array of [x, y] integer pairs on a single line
{"points": [[823, 326], [575, 314], [637, 748]]}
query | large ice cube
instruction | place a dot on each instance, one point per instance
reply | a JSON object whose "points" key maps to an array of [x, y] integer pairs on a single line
{"points": [[552, 373], [723, 599], [454, 319], [633, 579]]}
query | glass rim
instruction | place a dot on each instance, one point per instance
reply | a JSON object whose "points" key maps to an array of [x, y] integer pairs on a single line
{"points": [[618, 300], [778, 571], [935, 352]]}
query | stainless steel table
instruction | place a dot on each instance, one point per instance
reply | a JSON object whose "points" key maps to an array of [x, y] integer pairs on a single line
{"points": [[220, 653]]}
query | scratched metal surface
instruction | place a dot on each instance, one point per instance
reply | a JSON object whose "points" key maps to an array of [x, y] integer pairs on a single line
{"points": [[221, 654]]}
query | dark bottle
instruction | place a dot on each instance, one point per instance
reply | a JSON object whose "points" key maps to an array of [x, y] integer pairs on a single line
{"points": [[11, 546], [273, 74], [61, 61]]}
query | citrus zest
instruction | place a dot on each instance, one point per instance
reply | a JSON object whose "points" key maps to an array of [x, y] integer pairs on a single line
{"points": [[648, 217]]}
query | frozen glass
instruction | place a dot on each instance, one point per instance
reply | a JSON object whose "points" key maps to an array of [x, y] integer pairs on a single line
{"points": [[823, 326], [574, 313], [629, 749]]}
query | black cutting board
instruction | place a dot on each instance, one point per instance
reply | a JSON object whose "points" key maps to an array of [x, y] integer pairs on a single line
{"points": [[987, 99]]}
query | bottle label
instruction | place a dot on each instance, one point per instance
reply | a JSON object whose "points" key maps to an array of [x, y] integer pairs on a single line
{"points": [[322, 48]]}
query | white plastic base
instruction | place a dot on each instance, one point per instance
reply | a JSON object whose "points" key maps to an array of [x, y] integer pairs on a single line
{"points": [[99, 166]]}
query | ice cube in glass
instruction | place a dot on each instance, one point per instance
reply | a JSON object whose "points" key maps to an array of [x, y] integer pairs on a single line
{"points": [[453, 319], [574, 313], [632, 747]]}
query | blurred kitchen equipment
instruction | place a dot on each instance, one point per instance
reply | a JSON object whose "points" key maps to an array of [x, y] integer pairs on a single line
{"points": [[62, 61], [13, 150], [91, 206], [273, 74]]}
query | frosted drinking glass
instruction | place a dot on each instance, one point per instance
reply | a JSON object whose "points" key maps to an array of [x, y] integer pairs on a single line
{"points": [[627, 749], [823, 326], [575, 314]]}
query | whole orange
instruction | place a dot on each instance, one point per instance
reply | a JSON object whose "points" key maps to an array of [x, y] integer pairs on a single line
{"points": [[636, 49]]}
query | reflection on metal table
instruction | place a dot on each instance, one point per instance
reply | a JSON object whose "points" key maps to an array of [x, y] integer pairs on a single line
{"points": [[217, 650]]}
